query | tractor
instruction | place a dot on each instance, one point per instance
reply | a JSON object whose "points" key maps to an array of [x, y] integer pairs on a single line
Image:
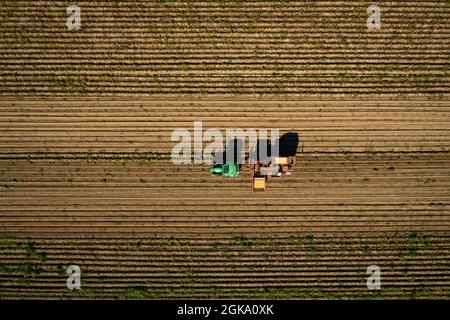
{"points": [[226, 170]]}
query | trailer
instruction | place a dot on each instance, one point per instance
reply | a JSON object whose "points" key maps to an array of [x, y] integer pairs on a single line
{"points": [[263, 170]]}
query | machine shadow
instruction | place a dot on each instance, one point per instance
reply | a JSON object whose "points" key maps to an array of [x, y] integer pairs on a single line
{"points": [[233, 150], [288, 144], [287, 147]]}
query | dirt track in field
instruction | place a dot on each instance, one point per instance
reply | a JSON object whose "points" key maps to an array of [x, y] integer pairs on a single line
{"points": [[127, 127], [89, 183]]}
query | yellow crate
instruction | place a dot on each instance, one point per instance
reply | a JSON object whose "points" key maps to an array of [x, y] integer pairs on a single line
{"points": [[259, 183]]}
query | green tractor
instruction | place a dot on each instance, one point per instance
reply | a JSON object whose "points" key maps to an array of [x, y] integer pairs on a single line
{"points": [[226, 170]]}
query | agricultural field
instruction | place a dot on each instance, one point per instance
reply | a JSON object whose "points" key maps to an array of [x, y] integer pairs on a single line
{"points": [[78, 187], [87, 177], [226, 49]]}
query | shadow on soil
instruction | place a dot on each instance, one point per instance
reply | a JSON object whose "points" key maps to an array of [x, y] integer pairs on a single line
{"points": [[287, 144]]}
